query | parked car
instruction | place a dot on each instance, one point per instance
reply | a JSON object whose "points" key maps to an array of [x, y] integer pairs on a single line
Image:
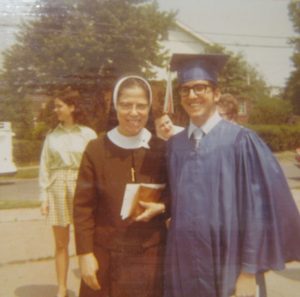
{"points": [[7, 165]]}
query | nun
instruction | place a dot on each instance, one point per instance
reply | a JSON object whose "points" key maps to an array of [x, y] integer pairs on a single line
{"points": [[121, 257], [232, 216]]}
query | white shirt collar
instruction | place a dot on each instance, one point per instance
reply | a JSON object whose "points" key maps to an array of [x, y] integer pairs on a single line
{"points": [[130, 142], [207, 126], [60, 126]]}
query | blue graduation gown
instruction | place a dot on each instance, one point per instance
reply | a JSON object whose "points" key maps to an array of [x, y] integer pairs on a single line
{"points": [[231, 211]]}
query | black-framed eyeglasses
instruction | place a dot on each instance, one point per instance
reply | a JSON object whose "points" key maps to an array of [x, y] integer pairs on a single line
{"points": [[198, 89], [126, 106]]}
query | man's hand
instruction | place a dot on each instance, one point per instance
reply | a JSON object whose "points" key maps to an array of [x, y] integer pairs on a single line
{"points": [[152, 209], [88, 267], [45, 208], [245, 285]]}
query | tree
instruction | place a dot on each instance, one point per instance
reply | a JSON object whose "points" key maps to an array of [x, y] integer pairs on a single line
{"points": [[239, 78], [271, 111], [292, 90], [71, 40], [84, 43]]}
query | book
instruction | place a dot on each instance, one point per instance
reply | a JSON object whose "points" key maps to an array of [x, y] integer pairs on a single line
{"points": [[134, 193]]}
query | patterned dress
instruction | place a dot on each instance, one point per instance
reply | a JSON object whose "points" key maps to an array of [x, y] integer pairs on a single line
{"points": [[60, 160]]}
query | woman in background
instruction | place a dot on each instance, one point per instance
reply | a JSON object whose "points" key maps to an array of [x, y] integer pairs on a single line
{"points": [[228, 107], [60, 160]]}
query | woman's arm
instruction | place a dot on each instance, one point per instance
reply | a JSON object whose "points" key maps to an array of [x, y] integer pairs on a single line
{"points": [[44, 177]]}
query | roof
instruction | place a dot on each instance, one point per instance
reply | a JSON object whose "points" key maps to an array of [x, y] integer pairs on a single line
{"points": [[193, 33]]}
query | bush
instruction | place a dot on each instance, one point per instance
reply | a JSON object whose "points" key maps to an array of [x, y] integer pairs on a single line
{"points": [[279, 137], [270, 111], [26, 151]]}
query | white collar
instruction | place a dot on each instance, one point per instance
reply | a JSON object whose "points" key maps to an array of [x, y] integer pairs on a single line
{"points": [[207, 126], [60, 126], [130, 142]]}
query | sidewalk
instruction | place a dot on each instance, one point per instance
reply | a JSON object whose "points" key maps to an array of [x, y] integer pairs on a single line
{"points": [[26, 256], [27, 266]]}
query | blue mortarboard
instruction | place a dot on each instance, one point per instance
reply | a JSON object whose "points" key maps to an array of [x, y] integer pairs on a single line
{"points": [[198, 66]]}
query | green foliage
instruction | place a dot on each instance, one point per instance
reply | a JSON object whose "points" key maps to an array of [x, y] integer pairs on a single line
{"points": [[272, 111], [292, 90], [26, 151], [279, 137], [40, 130], [20, 115], [11, 204], [71, 40], [85, 44], [239, 78]]}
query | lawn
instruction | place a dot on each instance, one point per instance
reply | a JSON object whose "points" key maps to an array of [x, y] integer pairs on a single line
{"points": [[10, 204]]}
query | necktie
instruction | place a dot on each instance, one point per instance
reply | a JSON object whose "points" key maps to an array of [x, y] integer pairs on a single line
{"points": [[196, 137]]}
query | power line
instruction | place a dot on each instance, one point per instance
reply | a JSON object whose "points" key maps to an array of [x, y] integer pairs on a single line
{"points": [[5, 27], [244, 35], [256, 45], [252, 45], [237, 44]]}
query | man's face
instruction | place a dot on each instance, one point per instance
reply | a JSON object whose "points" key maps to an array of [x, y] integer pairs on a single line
{"points": [[164, 126], [199, 98]]}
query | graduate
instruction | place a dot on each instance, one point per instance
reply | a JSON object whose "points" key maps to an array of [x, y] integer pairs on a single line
{"points": [[232, 215]]}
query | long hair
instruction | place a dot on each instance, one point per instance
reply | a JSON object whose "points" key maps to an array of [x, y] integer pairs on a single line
{"points": [[230, 106], [72, 97]]}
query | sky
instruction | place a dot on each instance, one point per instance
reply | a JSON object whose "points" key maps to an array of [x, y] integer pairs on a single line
{"points": [[259, 29]]}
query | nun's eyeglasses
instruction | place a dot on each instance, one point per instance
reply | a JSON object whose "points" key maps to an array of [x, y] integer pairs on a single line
{"points": [[198, 89], [125, 106]]}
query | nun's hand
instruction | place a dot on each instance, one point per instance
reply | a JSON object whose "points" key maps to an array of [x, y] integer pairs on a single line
{"points": [[89, 266], [152, 209], [245, 285]]}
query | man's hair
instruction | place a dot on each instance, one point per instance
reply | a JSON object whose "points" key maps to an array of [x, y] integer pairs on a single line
{"points": [[230, 104]]}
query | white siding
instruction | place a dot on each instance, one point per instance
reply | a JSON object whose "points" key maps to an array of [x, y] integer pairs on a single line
{"points": [[181, 41]]}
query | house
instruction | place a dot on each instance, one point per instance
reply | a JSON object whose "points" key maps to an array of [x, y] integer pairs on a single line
{"points": [[182, 40]]}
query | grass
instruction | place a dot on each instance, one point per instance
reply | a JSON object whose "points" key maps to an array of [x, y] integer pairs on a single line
{"points": [[10, 204], [27, 172], [23, 172], [285, 156]]}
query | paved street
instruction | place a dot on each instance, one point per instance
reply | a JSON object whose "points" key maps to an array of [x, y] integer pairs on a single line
{"points": [[19, 189]]}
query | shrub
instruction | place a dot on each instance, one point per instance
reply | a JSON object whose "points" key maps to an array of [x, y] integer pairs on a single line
{"points": [[279, 137], [26, 151], [270, 111]]}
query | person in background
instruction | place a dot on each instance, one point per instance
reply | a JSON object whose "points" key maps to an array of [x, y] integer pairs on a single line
{"points": [[228, 107], [165, 128], [297, 156], [60, 160], [121, 257], [232, 214]]}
